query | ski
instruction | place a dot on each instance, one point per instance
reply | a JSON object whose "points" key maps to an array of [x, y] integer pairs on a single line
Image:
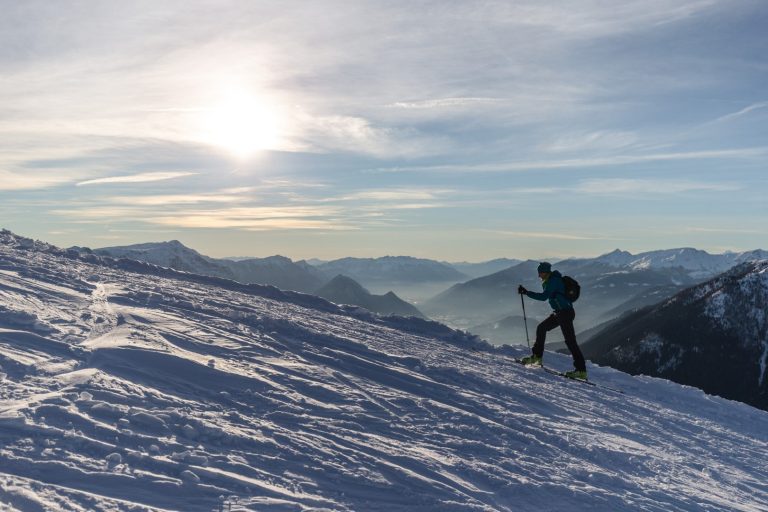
{"points": [[563, 375]]}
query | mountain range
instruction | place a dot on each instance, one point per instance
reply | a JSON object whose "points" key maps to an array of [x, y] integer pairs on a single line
{"points": [[393, 269], [275, 270], [345, 290], [130, 386], [697, 263], [611, 285], [484, 268]]}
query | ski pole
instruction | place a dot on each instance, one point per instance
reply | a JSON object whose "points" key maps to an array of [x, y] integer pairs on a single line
{"points": [[525, 319]]}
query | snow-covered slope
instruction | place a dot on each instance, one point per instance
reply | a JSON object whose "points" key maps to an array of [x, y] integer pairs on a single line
{"points": [[275, 270], [131, 387], [171, 254]]}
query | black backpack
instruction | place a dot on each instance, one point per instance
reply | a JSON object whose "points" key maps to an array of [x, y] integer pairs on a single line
{"points": [[572, 288]]}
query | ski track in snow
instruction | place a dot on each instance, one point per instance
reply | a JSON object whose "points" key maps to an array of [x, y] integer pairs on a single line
{"points": [[134, 391]]}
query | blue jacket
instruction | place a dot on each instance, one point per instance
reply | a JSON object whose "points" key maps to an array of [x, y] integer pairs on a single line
{"points": [[554, 292]]}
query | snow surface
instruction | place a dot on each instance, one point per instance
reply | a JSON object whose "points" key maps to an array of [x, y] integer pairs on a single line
{"points": [[129, 387]]}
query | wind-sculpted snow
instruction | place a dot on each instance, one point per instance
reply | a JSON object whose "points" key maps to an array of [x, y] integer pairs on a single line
{"points": [[130, 387]]}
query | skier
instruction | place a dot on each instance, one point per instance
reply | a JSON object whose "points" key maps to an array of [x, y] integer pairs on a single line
{"points": [[562, 315]]}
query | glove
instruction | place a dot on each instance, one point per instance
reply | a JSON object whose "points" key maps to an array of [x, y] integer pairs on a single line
{"points": [[521, 290]]}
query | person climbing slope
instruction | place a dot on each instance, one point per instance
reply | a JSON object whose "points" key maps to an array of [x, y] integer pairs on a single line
{"points": [[562, 315]]}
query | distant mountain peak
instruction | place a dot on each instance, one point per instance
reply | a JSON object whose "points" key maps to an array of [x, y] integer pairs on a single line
{"points": [[345, 290], [617, 257], [276, 270], [346, 283]]}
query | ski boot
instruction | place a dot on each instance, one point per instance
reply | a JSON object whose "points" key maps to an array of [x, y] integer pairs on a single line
{"points": [[532, 360], [577, 374]]}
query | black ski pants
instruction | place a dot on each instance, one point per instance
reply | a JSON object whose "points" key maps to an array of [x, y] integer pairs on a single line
{"points": [[564, 319]]}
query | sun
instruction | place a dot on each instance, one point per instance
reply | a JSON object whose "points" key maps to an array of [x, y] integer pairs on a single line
{"points": [[241, 124]]}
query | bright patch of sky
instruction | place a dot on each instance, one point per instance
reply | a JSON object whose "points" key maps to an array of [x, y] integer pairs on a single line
{"points": [[448, 130]]}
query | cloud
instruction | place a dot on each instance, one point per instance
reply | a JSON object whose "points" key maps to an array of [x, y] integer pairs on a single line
{"points": [[357, 134], [407, 206], [548, 235], [137, 178], [593, 141], [464, 88], [635, 187], [30, 181], [639, 187], [446, 103], [256, 219], [393, 195], [616, 160], [742, 112], [218, 222], [335, 84], [159, 200], [103, 213], [591, 18], [248, 218], [292, 184], [728, 231]]}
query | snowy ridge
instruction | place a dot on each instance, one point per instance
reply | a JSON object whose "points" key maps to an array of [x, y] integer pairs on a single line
{"points": [[132, 387], [275, 270], [697, 262], [718, 327], [749, 297]]}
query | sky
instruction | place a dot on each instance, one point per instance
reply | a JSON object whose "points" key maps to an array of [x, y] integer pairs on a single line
{"points": [[452, 130]]}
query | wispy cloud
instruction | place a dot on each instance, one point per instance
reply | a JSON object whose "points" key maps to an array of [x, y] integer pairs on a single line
{"points": [[634, 187], [547, 235], [359, 134], [617, 160], [646, 187], [592, 20], [137, 178], [292, 184], [254, 218], [445, 103], [30, 181], [393, 195], [159, 200], [209, 222], [594, 141], [742, 112], [727, 230], [406, 206]]}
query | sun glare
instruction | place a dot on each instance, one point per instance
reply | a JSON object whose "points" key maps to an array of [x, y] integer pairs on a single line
{"points": [[242, 125]]}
